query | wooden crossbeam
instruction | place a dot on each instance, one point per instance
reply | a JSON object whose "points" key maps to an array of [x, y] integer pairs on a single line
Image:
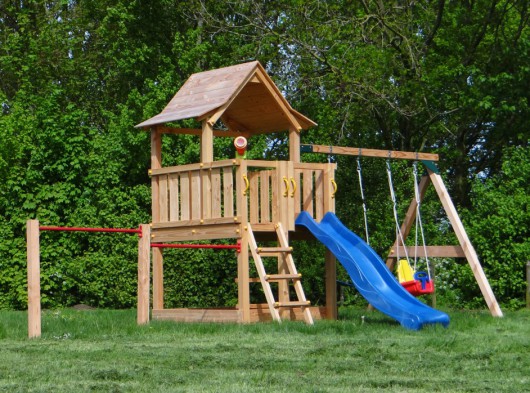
{"points": [[361, 152]]}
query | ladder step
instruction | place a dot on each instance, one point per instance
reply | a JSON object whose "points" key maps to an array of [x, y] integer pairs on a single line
{"points": [[277, 277], [292, 304], [265, 250]]}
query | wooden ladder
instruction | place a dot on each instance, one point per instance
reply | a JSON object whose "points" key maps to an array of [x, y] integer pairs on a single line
{"points": [[285, 252]]}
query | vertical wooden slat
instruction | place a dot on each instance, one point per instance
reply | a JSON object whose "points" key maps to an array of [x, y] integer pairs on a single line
{"points": [[195, 199], [33, 257], [320, 209], [174, 203], [265, 206], [206, 193], [185, 210], [144, 252], [163, 198], [206, 142], [296, 191], [253, 197], [228, 192], [307, 193], [275, 201], [216, 192]]}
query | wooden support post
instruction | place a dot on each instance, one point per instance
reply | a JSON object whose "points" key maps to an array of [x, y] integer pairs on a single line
{"points": [[158, 271], [294, 145], [243, 286], [468, 248], [33, 257], [206, 142], [144, 252], [331, 285]]}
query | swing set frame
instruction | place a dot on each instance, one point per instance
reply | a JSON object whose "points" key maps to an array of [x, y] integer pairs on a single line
{"points": [[464, 249]]}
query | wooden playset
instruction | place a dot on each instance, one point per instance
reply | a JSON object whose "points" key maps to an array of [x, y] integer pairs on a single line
{"points": [[253, 201]]}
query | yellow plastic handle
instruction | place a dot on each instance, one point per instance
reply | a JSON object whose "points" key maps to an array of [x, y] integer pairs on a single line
{"points": [[335, 188], [293, 183], [286, 182], [247, 185]]}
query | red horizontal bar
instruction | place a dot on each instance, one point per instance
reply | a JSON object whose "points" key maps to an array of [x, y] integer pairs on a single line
{"points": [[214, 246], [77, 229]]}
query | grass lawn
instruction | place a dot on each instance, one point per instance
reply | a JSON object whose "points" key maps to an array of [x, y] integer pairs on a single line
{"points": [[104, 351]]}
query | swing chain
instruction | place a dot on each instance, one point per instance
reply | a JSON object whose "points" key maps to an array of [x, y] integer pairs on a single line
{"points": [[419, 223], [365, 212], [399, 234]]}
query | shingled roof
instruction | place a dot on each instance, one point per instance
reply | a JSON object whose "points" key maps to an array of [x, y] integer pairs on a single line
{"points": [[243, 96]]}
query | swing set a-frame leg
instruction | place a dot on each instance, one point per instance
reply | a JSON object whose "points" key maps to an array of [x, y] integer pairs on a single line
{"points": [[465, 243]]}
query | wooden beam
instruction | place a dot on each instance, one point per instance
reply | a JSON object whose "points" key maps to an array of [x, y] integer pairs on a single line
{"points": [[432, 252], [198, 132], [468, 248], [356, 151]]}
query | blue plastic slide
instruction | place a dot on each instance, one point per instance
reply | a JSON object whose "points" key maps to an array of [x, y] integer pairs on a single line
{"points": [[370, 275]]}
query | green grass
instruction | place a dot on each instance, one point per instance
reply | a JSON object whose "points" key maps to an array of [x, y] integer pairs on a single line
{"points": [[104, 351]]}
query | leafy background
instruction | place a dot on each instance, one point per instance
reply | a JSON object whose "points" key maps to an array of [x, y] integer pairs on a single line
{"points": [[76, 76]]}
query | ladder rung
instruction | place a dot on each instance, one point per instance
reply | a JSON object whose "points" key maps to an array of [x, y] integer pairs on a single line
{"points": [[277, 277], [292, 304], [264, 250]]}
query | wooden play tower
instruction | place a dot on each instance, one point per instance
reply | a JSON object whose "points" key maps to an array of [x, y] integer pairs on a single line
{"points": [[252, 201]]}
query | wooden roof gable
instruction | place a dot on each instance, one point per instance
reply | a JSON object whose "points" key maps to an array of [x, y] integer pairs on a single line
{"points": [[243, 96]]}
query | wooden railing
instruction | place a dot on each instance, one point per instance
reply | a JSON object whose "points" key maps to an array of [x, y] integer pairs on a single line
{"points": [[265, 192]]}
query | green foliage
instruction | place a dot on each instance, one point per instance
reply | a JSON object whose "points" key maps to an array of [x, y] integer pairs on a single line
{"points": [[499, 228]]}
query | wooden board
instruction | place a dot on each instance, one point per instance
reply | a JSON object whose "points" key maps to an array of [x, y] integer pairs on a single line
{"points": [[356, 151]]}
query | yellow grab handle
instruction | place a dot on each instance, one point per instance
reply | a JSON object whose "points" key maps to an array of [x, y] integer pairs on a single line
{"points": [[293, 183], [286, 182], [247, 185], [335, 188]]}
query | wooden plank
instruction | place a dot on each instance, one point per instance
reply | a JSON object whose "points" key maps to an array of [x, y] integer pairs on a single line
{"points": [[174, 202], [193, 233], [464, 241], [156, 163], [329, 192], [228, 192], [163, 198], [33, 276], [296, 192], [144, 253], [198, 132], [355, 151], [206, 194], [265, 195], [307, 192], [193, 167], [253, 197], [432, 252], [197, 222], [195, 197], [260, 313], [216, 192], [319, 205], [185, 196]]}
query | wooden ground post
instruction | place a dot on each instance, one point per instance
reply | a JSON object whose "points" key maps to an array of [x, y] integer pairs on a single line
{"points": [[33, 256], [144, 262]]}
